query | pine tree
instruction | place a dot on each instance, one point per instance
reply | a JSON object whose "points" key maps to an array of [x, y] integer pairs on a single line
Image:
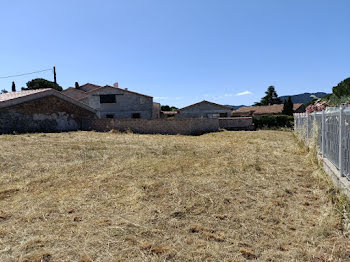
{"points": [[270, 98]]}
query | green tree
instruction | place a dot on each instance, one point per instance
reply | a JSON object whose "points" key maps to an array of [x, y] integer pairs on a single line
{"points": [[168, 108], [288, 107], [270, 98], [13, 86], [165, 108], [343, 88], [40, 83], [4, 91]]}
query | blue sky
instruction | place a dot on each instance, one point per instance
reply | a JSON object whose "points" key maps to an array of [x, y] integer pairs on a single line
{"points": [[183, 51]]}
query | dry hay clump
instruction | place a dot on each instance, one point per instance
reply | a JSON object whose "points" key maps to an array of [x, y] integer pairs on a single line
{"points": [[228, 196]]}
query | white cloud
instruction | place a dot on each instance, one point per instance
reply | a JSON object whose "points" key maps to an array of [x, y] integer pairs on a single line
{"points": [[161, 98], [244, 93]]}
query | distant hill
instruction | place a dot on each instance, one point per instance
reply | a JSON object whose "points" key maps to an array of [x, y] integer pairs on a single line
{"points": [[235, 107], [303, 98]]}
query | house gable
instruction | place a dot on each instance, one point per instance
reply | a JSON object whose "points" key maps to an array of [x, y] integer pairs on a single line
{"points": [[49, 113]]}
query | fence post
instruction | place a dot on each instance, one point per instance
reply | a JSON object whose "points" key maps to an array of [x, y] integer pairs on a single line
{"points": [[307, 126], [341, 134], [323, 131]]}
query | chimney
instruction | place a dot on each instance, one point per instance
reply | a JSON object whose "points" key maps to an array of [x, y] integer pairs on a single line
{"points": [[126, 89], [115, 84], [77, 85], [13, 86]]}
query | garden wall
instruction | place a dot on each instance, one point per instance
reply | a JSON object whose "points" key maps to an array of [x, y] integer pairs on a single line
{"points": [[183, 126], [236, 123], [154, 126]]}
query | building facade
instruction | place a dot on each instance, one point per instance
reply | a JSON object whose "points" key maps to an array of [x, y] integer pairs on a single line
{"points": [[204, 109], [113, 102]]}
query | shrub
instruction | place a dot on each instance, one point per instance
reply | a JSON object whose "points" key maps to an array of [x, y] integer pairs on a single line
{"points": [[274, 121]]}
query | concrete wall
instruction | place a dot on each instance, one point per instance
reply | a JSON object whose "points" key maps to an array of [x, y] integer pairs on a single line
{"points": [[156, 110], [236, 123], [48, 114], [154, 126], [202, 110], [126, 104], [188, 126]]}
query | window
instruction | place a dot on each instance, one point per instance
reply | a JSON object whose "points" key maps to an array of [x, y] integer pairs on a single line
{"points": [[136, 115], [104, 99], [109, 116], [142, 100], [223, 114]]}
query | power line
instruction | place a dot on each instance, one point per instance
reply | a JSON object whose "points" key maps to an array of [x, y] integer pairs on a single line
{"points": [[3, 77]]}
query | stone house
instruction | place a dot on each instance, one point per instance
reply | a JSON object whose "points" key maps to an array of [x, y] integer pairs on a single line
{"points": [[204, 109], [41, 110], [114, 102], [257, 111]]}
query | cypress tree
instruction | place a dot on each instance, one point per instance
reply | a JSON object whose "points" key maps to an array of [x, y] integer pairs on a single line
{"points": [[13, 86], [288, 107]]}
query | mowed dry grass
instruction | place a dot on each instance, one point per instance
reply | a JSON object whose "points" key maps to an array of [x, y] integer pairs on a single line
{"points": [[228, 196]]}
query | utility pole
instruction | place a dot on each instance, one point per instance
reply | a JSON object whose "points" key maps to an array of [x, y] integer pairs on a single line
{"points": [[54, 75]]}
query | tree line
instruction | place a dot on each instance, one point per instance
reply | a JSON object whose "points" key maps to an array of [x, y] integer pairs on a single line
{"points": [[271, 98]]}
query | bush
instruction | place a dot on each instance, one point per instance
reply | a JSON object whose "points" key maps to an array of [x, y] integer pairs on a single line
{"points": [[274, 121]]}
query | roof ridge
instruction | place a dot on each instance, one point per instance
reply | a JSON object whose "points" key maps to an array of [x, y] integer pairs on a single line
{"points": [[208, 102], [108, 86]]}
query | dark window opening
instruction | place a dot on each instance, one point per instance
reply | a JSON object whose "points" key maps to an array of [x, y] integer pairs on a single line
{"points": [[104, 99], [223, 114], [136, 115], [109, 116]]}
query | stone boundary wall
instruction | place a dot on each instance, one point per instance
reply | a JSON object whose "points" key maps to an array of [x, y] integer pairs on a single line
{"points": [[236, 123], [183, 126], [191, 126]]}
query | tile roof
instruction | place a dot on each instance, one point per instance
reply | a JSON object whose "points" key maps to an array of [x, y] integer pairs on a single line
{"points": [[169, 112], [206, 102], [14, 98], [89, 87], [74, 93], [261, 110], [14, 95], [80, 93]]}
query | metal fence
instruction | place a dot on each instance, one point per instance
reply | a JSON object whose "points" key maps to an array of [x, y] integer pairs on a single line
{"points": [[330, 131]]}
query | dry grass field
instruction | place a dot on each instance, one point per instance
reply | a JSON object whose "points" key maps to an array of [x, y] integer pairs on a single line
{"points": [[228, 196]]}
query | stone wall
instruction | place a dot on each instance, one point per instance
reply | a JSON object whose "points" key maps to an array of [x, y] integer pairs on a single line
{"points": [[47, 114], [154, 126], [236, 123], [189, 126]]}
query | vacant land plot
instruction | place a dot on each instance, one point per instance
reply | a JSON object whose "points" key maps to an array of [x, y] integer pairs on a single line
{"points": [[229, 196]]}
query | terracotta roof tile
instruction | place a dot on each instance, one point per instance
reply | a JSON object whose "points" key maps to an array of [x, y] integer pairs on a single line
{"points": [[107, 86], [169, 112], [14, 95], [74, 93], [14, 98], [261, 110]]}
